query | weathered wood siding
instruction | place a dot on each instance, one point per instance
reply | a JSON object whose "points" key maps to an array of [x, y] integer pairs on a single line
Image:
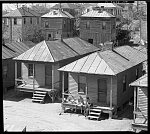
{"points": [[73, 84], [39, 74], [123, 97], [96, 32], [9, 81], [142, 101], [92, 87]]}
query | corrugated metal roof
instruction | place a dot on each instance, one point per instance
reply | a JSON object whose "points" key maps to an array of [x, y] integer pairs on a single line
{"points": [[22, 12], [141, 82], [18, 47], [96, 13], [7, 53], [52, 51], [58, 13], [107, 62]]}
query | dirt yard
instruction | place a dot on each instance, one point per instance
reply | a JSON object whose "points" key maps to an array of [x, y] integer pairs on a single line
{"points": [[19, 110]]}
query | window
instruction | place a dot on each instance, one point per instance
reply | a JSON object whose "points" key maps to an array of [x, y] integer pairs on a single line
{"points": [[90, 41], [103, 25], [15, 21], [82, 84], [64, 23], [5, 70], [46, 24], [37, 20], [137, 73], [124, 83], [30, 70], [24, 20], [87, 25], [31, 20]]}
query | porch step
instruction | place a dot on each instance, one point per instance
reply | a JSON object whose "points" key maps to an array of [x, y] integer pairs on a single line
{"points": [[40, 92], [42, 95], [38, 96], [94, 113], [93, 117]]}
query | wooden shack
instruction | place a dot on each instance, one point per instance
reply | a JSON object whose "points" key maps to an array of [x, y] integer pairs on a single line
{"points": [[57, 24], [140, 121], [97, 26], [21, 24], [9, 51], [40, 64], [104, 77]]}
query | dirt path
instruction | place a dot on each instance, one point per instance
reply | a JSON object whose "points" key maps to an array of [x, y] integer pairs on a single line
{"points": [[45, 117]]}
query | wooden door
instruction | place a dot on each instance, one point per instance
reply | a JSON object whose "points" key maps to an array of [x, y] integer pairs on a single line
{"points": [[48, 75], [102, 90]]}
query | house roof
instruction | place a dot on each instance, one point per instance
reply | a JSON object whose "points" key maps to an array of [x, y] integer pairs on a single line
{"points": [[7, 53], [141, 48], [108, 5], [53, 51], [17, 47], [96, 13], [22, 12], [65, 5], [141, 82], [107, 62], [58, 13]]}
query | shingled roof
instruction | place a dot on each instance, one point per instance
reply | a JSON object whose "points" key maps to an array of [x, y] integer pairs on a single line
{"points": [[109, 62], [96, 13], [53, 51], [22, 12]]}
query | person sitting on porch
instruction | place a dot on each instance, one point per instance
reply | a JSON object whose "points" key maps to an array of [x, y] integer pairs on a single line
{"points": [[81, 103], [88, 105]]}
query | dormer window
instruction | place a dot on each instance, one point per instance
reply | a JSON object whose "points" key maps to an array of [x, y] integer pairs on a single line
{"points": [[54, 13]]}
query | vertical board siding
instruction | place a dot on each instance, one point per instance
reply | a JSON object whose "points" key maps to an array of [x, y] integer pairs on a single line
{"points": [[56, 76]]}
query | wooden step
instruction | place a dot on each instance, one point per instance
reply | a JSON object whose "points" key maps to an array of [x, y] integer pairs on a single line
{"points": [[43, 95], [37, 100], [94, 117], [39, 92], [34, 97], [96, 110], [94, 113]]}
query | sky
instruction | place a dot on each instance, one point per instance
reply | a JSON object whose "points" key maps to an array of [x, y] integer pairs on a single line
{"points": [[13, 6]]}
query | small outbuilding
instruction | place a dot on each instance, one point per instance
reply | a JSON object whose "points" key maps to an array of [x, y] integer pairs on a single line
{"points": [[140, 120]]}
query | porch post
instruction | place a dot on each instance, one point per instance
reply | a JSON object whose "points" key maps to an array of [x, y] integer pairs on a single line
{"points": [[15, 74], [52, 76], [134, 116], [110, 113], [62, 87], [33, 76]]}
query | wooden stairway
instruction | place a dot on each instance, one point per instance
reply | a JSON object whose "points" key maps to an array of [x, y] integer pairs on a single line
{"points": [[94, 113], [38, 96]]}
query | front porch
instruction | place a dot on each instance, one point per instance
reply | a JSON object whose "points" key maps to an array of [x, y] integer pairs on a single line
{"points": [[39, 92]]}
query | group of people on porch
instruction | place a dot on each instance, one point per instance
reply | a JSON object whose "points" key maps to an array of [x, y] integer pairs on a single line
{"points": [[84, 104]]}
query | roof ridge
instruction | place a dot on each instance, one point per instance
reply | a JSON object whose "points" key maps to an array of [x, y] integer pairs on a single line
{"points": [[49, 51], [106, 63]]}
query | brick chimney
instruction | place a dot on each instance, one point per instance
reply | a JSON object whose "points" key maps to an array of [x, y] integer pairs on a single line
{"points": [[107, 46]]}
